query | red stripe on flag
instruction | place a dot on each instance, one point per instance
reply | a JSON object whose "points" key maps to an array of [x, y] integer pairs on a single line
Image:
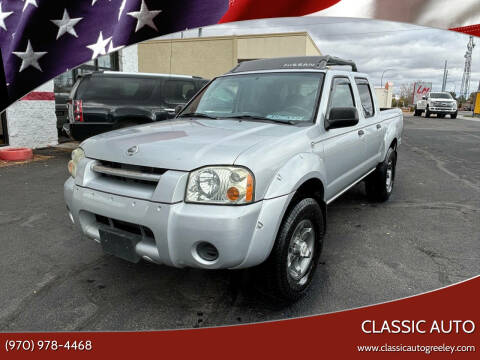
{"points": [[256, 9], [472, 29], [39, 95]]}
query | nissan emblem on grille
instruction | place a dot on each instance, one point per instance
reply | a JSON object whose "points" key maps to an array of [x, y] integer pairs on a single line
{"points": [[132, 151]]}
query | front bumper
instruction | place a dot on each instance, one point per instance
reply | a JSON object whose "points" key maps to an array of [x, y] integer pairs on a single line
{"points": [[440, 110], [243, 235]]}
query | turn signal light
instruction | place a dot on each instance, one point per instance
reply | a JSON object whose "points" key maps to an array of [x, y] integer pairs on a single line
{"points": [[249, 192]]}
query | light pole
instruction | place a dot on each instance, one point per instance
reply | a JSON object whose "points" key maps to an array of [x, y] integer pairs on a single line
{"points": [[383, 73]]}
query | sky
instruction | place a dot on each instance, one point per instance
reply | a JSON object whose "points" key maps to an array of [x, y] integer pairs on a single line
{"points": [[410, 52]]}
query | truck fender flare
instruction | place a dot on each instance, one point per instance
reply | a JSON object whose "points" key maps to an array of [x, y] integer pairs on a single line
{"points": [[294, 173], [388, 139]]}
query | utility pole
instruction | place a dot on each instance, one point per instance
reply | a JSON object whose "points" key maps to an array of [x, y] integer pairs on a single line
{"points": [[445, 76], [468, 68]]}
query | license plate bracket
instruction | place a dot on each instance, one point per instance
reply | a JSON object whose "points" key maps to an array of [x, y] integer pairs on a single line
{"points": [[119, 243]]}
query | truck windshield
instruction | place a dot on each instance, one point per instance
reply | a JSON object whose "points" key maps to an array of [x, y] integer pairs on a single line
{"points": [[440, 96], [282, 97]]}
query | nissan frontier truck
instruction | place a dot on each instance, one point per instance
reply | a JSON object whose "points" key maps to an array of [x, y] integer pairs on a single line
{"points": [[243, 175]]}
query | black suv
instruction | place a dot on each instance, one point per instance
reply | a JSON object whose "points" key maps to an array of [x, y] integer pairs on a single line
{"points": [[104, 101]]}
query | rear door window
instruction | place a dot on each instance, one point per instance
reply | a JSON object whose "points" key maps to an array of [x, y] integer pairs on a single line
{"points": [[366, 98], [117, 89], [178, 91]]}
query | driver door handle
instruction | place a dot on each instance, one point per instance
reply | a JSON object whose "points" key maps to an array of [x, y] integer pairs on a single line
{"points": [[361, 132], [379, 126]]}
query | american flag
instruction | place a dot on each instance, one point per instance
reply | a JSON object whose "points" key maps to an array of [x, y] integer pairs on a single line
{"points": [[40, 39]]}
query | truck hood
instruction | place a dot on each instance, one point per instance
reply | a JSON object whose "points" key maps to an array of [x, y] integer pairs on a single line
{"points": [[443, 100], [183, 144]]}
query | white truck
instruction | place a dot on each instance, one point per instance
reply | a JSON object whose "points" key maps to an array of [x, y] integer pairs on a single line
{"points": [[440, 103], [243, 175]]}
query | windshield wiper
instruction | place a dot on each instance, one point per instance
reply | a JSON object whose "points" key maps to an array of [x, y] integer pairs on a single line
{"points": [[261, 118], [200, 115]]}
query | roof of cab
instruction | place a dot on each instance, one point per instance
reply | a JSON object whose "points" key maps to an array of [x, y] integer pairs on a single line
{"points": [[140, 74], [299, 62]]}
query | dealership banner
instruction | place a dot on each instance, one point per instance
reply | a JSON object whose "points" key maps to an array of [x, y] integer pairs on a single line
{"points": [[421, 89], [443, 324], [40, 39]]}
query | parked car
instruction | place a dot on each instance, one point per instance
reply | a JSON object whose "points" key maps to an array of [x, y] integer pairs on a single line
{"points": [[440, 103], [108, 100], [61, 111], [243, 175]]}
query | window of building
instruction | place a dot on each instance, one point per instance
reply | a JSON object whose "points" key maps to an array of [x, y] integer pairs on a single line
{"points": [[64, 82]]}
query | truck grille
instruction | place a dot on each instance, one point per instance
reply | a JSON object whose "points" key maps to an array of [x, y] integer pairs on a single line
{"points": [[128, 173], [125, 226]]}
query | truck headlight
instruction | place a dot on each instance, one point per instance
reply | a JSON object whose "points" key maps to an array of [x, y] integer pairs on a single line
{"points": [[230, 185], [77, 155]]}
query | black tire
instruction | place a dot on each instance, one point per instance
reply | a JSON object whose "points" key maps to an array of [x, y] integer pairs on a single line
{"points": [[427, 113], [376, 184], [277, 277], [416, 112], [454, 115]]}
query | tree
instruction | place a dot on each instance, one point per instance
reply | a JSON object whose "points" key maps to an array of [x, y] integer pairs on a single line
{"points": [[406, 92]]}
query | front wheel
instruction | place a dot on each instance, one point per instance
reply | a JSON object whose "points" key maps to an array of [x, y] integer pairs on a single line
{"points": [[379, 184], [454, 115], [427, 113], [288, 271]]}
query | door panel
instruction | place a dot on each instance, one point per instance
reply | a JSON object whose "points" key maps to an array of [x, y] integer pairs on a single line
{"points": [[370, 118], [343, 149], [343, 154]]}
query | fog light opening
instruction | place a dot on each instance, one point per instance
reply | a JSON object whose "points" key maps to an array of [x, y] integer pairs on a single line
{"points": [[207, 251]]}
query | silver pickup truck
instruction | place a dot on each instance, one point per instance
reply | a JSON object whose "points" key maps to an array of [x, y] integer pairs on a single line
{"points": [[244, 173]]}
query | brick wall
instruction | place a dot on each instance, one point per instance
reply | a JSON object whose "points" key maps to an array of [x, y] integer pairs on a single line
{"points": [[33, 123]]}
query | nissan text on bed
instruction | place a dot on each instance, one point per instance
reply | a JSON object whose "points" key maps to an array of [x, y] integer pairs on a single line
{"points": [[243, 175]]}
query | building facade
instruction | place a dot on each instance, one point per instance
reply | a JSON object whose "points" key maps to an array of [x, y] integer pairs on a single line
{"points": [[211, 56]]}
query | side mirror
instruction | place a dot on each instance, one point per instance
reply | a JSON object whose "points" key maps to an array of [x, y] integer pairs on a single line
{"points": [[178, 108], [424, 98], [340, 117]]}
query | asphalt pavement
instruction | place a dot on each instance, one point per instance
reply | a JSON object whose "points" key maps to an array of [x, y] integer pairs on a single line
{"points": [[426, 237]]}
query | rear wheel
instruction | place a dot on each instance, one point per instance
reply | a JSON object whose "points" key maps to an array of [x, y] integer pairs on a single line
{"points": [[288, 271], [379, 184]]}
